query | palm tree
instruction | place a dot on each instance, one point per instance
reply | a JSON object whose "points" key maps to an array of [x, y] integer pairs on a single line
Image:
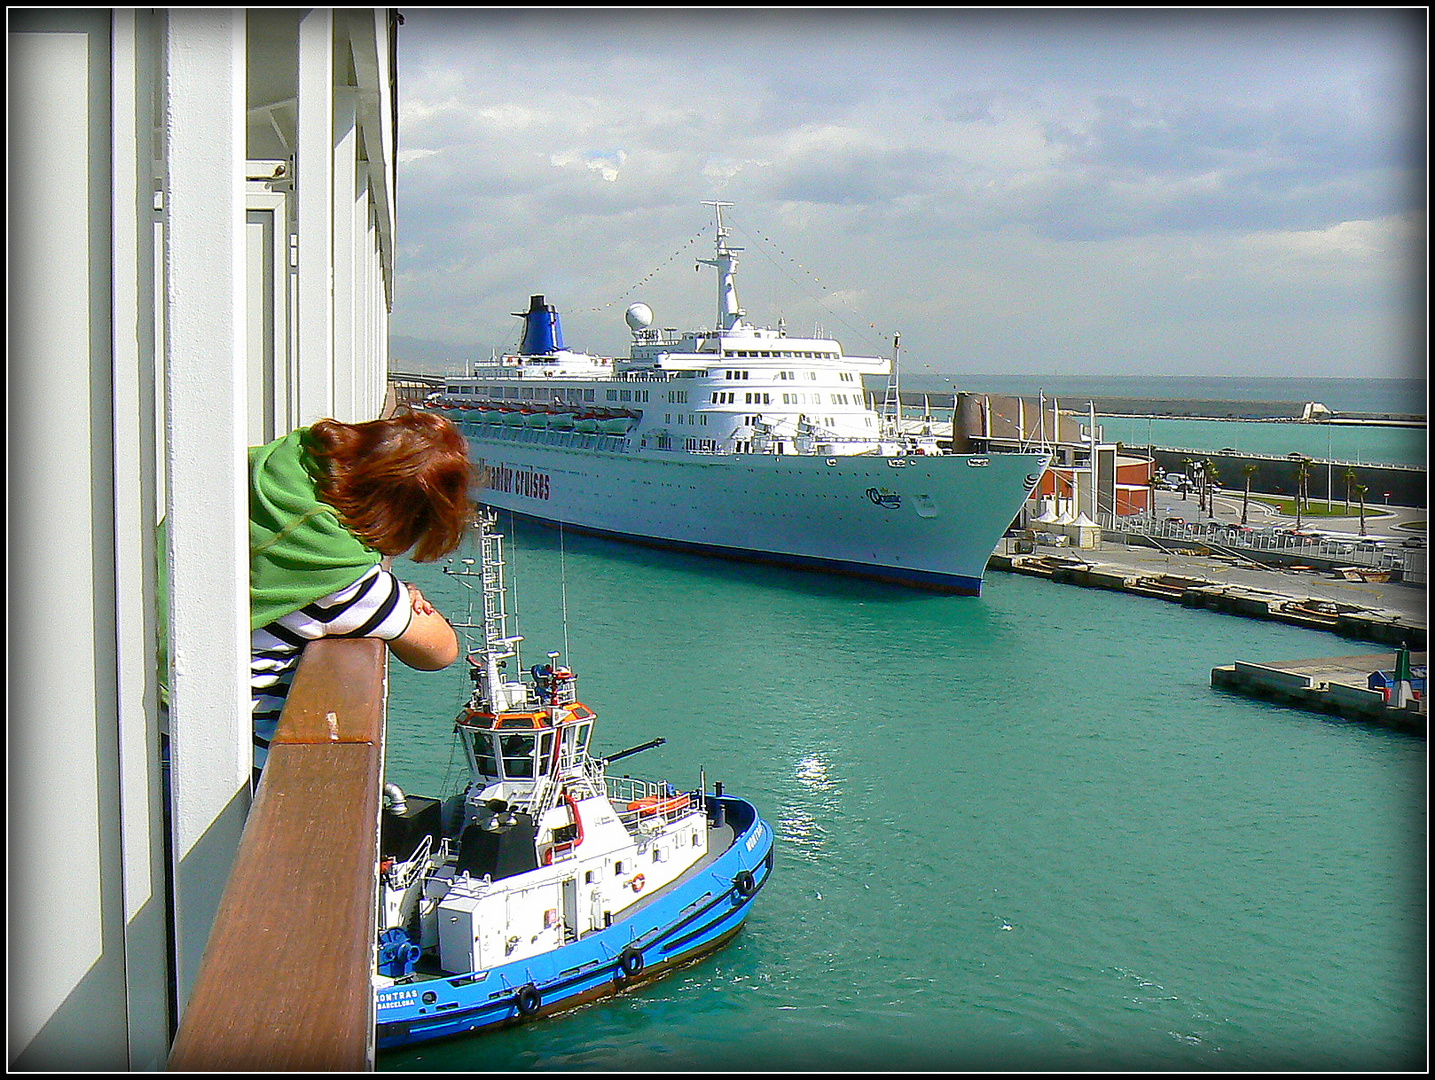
{"points": [[1360, 490], [1349, 477], [1213, 478], [1302, 474], [1248, 470]]}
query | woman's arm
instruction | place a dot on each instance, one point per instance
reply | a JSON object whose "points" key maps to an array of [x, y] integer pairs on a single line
{"points": [[430, 643]]}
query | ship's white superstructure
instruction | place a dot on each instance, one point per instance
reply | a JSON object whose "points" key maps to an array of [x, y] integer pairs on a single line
{"points": [[739, 441]]}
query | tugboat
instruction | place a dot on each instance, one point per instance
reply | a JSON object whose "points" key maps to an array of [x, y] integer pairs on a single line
{"points": [[546, 883]]}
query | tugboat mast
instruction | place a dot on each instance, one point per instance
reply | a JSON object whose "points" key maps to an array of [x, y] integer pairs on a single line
{"points": [[492, 692]]}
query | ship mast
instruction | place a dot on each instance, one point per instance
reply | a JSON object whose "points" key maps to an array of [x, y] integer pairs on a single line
{"points": [[729, 316]]}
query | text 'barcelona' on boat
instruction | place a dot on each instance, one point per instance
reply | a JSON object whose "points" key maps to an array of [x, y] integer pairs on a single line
{"points": [[546, 883], [738, 441]]}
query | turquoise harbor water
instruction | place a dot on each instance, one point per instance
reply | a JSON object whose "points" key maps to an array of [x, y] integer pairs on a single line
{"points": [[1014, 832]]}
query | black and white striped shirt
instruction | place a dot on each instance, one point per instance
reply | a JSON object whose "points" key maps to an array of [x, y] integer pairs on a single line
{"points": [[377, 605]]}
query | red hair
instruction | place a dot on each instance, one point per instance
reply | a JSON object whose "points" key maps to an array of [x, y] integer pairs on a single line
{"points": [[397, 483]]}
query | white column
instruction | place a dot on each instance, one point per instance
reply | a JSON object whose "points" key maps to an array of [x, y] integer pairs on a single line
{"points": [[206, 427], [65, 903], [314, 179], [134, 70]]}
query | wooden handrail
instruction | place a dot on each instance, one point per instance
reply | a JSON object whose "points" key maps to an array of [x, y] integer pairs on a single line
{"points": [[286, 981]]}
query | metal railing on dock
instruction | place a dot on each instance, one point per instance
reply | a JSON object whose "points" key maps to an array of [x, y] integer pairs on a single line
{"points": [[286, 982]]}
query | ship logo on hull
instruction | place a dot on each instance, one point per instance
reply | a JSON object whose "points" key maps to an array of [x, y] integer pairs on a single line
{"points": [[888, 500]]}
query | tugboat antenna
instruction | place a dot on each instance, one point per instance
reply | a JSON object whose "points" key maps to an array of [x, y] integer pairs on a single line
{"points": [[563, 583]]}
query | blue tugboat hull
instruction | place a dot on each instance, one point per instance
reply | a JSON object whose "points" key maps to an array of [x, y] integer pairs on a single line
{"points": [[694, 915]]}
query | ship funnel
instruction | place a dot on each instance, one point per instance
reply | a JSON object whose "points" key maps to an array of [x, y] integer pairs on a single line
{"points": [[542, 332]]}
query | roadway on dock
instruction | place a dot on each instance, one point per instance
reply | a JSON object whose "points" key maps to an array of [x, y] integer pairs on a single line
{"points": [[1394, 523]]}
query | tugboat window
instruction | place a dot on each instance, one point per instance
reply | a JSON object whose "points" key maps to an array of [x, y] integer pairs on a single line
{"points": [[517, 755], [483, 755]]}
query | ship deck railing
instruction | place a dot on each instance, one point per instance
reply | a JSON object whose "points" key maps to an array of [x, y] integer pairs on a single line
{"points": [[668, 803], [286, 980]]}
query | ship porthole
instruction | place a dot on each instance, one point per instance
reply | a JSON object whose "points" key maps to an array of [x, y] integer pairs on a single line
{"points": [[528, 1000]]}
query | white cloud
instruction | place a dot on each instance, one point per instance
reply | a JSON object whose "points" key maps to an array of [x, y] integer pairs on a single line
{"points": [[1045, 188], [605, 163], [1345, 241]]}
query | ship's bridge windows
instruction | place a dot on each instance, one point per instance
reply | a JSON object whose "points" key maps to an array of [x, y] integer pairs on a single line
{"points": [[522, 752], [575, 743], [485, 759]]}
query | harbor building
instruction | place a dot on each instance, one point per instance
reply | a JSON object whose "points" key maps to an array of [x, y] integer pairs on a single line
{"points": [[1088, 476], [201, 251]]}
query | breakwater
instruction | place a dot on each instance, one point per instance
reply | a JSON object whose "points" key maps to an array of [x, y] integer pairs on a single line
{"points": [[939, 403]]}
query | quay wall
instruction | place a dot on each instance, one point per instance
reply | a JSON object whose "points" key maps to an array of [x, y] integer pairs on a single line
{"points": [[1277, 476]]}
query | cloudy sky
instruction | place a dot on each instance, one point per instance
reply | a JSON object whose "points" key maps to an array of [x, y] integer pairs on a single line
{"points": [[1045, 193]]}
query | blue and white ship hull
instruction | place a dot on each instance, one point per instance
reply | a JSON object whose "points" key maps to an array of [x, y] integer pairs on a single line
{"points": [[930, 521], [677, 924]]}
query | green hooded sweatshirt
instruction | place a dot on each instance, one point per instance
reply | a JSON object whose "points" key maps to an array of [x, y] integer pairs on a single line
{"points": [[299, 550]]}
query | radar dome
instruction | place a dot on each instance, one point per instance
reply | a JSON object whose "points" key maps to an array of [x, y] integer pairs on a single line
{"points": [[639, 317]]}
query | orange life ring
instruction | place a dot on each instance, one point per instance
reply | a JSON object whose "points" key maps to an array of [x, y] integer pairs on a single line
{"points": [[637, 883]]}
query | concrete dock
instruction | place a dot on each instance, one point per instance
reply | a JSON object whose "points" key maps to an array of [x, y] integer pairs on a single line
{"points": [[1387, 613], [1336, 685]]}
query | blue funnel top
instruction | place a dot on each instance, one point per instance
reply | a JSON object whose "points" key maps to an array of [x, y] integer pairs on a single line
{"points": [[542, 332]]}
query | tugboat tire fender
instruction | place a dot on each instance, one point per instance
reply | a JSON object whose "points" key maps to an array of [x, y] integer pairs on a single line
{"points": [[745, 883], [630, 961], [529, 1000]]}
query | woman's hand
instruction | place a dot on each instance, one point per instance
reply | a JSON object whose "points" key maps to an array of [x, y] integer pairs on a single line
{"points": [[421, 605], [429, 643]]}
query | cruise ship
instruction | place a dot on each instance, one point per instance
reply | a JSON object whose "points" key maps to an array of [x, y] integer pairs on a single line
{"points": [[740, 441]]}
